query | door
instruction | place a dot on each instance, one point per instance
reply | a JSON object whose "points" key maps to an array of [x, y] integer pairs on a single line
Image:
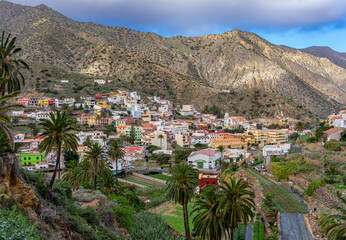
{"points": [[199, 164]]}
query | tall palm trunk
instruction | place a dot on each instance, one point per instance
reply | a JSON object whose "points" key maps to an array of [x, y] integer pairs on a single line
{"points": [[56, 166], [95, 173], [116, 169], [232, 230], [186, 222]]}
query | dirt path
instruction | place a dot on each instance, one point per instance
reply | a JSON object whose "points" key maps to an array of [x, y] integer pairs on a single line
{"points": [[293, 227]]}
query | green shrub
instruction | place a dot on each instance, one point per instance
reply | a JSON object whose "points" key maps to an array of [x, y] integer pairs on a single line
{"points": [[255, 230], [313, 185], [90, 215], [147, 225], [261, 231], [105, 233], [333, 145], [124, 215], [15, 226]]}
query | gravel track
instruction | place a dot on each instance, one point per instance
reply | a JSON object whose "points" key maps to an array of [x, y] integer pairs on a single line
{"points": [[293, 227]]}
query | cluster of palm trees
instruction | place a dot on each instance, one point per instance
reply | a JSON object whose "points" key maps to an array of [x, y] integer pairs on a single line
{"points": [[59, 133], [218, 210]]}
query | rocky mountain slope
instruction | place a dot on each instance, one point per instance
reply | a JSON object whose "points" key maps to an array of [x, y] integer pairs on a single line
{"points": [[338, 58], [182, 69]]}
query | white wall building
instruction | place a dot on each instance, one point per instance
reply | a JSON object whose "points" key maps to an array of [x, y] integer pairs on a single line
{"points": [[204, 159], [338, 120], [160, 142], [100, 81]]}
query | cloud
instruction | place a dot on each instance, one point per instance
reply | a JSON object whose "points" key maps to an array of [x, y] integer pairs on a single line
{"points": [[196, 17]]}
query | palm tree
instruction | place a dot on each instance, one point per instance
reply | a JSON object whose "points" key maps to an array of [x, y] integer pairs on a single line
{"points": [[87, 142], [221, 150], [115, 152], [236, 204], [93, 155], [208, 222], [180, 189], [5, 119], [109, 184], [59, 135], [73, 174], [299, 126], [11, 78], [160, 137], [335, 225]]}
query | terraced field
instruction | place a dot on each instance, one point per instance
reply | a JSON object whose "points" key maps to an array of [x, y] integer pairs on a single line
{"points": [[139, 181], [160, 176], [284, 199]]}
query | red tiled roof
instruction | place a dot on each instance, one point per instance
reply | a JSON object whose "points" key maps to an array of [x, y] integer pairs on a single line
{"points": [[209, 152], [133, 149], [332, 130]]}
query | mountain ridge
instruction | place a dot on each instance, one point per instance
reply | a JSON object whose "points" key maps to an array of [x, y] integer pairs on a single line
{"points": [[236, 60], [338, 58]]}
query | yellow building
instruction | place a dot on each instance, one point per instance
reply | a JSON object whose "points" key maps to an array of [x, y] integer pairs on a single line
{"points": [[43, 102], [271, 137], [146, 117], [103, 104], [234, 143], [276, 137]]}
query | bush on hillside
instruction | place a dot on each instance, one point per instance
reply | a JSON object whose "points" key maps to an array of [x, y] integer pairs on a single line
{"points": [[13, 225], [147, 225]]}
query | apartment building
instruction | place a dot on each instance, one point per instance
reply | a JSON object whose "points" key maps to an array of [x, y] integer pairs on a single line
{"points": [[182, 139]]}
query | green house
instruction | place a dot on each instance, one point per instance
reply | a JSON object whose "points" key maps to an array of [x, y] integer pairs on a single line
{"points": [[30, 159]]}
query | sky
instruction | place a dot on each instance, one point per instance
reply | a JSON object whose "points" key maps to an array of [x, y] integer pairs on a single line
{"points": [[294, 23]]}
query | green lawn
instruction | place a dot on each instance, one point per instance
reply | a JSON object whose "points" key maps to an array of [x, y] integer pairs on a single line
{"points": [[160, 176], [176, 219], [339, 186], [144, 183], [303, 137]]}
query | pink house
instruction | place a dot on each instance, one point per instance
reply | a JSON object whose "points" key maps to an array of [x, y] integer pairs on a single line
{"points": [[23, 101]]}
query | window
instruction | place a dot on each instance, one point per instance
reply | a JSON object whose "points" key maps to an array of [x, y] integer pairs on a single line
{"points": [[25, 158], [37, 158]]}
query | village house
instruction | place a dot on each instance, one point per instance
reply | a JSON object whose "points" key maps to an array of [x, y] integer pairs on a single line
{"points": [[23, 101], [333, 133], [204, 159], [133, 153], [160, 140], [207, 179], [100, 81], [182, 139], [338, 120]]}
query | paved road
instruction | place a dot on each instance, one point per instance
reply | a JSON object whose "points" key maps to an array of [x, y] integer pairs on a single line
{"points": [[293, 227], [249, 232]]}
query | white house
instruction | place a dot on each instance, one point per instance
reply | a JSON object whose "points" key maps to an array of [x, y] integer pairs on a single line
{"points": [[160, 142], [18, 137], [202, 139], [100, 81], [338, 120], [42, 115], [204, 159]]}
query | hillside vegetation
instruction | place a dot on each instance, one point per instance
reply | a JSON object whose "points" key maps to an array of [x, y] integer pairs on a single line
{"points": [[186, 70]]}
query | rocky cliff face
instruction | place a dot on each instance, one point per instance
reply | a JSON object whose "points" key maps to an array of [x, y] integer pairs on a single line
{"points": [[235, 60]]}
